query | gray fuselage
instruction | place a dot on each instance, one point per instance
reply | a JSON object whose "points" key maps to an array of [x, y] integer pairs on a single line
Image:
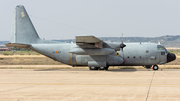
{"points": [[134, 54]]}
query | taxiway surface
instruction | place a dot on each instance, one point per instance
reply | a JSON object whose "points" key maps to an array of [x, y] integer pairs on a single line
{"points": [[85, 85]]}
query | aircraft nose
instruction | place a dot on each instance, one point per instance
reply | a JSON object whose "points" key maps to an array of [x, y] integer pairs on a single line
{"points": [[171, 57]]}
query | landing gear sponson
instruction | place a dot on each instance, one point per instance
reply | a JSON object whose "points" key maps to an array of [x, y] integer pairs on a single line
{"points": [[98, 68]]}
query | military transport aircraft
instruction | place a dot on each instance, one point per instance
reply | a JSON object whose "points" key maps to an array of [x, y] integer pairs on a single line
{"points": [[88, 50]]}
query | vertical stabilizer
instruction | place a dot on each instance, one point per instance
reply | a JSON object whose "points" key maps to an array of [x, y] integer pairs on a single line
{"points": [[23, 30]]}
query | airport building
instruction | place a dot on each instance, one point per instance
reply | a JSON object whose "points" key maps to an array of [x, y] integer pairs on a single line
{"points": [[4, 48]]}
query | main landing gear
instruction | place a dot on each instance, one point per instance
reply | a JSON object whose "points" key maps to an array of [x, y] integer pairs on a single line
{"points": [[98, 68]]}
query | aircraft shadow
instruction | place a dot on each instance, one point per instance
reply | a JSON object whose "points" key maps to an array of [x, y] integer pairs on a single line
{"points": [[128, 70], [123, 70], [110, 70]]}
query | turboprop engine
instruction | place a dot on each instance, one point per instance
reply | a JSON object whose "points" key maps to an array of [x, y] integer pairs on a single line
{"points": [[88, 51]]}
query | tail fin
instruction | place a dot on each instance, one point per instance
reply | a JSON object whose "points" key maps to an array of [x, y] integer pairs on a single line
{"points": [[23, 30]]}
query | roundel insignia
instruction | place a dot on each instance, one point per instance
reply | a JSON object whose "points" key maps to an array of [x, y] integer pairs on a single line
{"points": [[22, 14]]}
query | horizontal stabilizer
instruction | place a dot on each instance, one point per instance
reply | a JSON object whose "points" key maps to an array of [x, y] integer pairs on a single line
{"points": [[16, 45]]}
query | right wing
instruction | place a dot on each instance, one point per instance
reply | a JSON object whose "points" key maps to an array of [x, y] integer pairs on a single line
{"points": [[89, 42]]}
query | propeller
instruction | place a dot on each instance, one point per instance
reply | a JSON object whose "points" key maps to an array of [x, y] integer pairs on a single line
{"points": [[122, 45]]}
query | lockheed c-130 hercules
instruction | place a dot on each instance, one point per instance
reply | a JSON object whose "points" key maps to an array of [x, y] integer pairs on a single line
{"points": [[88, 50]]}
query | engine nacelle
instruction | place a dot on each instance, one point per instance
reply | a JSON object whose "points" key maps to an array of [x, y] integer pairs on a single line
{"points": [[98, 51]]}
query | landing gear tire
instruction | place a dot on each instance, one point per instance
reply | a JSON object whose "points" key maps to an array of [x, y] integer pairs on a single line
{"points": [[102, 68], [93, 68], [106, 68], [155, 67]]}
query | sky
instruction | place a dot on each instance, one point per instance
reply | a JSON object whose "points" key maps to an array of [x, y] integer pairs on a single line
{"points": [[65, 19]]}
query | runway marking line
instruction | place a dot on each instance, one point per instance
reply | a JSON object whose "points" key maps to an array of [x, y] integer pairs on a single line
{"points": [[170, 85]]}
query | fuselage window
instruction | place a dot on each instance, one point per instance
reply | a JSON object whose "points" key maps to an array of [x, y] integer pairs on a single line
{"points": [[162, 53], [147, 51]]}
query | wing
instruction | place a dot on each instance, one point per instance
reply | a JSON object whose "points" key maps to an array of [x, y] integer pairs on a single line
{"points": [[89, 42]]}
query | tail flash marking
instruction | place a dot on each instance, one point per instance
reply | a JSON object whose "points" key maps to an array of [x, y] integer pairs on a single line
{"points": [[22, 14]]}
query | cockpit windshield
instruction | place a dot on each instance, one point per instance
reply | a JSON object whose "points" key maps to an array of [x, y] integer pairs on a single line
{"points": [[160, 47]]}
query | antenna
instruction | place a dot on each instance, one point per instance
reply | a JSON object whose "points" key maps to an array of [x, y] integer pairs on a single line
{"points": [[122, 37]]}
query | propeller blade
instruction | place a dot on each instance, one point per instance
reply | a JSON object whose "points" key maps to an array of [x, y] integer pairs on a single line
{"points": [[122, 45]]}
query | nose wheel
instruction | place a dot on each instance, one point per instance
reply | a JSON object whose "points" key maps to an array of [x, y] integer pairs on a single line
{"points": [[155, 67]]}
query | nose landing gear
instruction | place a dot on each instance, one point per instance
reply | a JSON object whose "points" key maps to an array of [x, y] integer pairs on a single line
{"points": [[155, 67]]}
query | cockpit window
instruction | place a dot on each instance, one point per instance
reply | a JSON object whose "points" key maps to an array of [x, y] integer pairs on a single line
{"points": [[166, 50], [159, 47]]}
